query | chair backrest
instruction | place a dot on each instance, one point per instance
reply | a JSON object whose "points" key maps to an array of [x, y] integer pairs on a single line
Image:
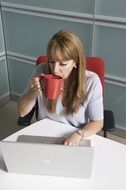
{"points": [[95, 64], [41, 59]]}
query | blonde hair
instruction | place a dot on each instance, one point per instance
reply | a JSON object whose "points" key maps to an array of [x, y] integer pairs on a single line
{"points": [[65, 45]]}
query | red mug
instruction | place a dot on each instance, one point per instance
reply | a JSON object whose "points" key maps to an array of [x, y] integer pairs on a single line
{"points": [[51, 85]]}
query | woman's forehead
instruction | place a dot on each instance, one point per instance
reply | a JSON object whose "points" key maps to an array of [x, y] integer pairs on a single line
{"points": [[58, 55]]}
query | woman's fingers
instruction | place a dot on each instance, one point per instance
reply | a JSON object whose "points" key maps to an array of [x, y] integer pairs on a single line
{"points": [[73, 140], [35, 85]]}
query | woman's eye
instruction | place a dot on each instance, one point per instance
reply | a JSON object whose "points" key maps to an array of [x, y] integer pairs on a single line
{"points": [[63, 64]]}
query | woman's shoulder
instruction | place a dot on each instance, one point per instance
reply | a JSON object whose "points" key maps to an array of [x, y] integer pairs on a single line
{"points": [[92, 78], [91, 75], [92, 82]]}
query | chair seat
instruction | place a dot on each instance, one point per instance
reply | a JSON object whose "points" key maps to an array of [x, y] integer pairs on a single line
{"points": [[26, 120]]}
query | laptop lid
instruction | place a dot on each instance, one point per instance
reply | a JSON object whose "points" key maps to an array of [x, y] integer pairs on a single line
{"points": [[47, 159]]}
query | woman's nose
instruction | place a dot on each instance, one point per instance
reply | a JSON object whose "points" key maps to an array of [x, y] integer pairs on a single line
{"points": [[56, 67]]}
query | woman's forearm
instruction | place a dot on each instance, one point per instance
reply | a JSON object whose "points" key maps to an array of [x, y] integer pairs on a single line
{"points": [[26, 103], [92, 128], [88, 130]]}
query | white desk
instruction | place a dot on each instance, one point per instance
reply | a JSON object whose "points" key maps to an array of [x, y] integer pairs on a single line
{"points": [[109, 172]]}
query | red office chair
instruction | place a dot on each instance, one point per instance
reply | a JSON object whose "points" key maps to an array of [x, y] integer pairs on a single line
{"points": [[95, 64]]}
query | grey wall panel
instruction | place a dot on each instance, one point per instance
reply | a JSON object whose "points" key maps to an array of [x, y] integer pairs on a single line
{"points": [[115, 99], [1, 35], [112, 8], [4, 86], [29, 35], [19, 73], [110, 43]]}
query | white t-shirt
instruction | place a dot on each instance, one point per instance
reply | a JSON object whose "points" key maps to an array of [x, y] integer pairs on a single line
{"points": [[91, 110]]}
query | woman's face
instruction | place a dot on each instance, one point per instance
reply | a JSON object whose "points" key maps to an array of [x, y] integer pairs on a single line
{"points": [[62, 68]]}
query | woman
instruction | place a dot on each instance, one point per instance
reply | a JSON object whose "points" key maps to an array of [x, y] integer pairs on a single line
{"points": [[80, 103]]}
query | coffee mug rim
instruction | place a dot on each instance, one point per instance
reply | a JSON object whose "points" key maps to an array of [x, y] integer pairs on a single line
{"points": [[51, 76]]}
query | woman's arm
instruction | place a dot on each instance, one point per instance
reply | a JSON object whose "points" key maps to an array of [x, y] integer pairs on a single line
{"points": [[88, 130], [92, 128], [28, 100]]}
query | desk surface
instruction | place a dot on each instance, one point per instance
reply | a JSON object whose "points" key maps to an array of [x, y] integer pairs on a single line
{"points": [[109, 170]]}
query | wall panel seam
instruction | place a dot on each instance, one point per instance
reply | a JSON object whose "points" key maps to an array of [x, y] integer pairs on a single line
{"points": [[21, 57], [31, 10], [108, 24], [113, 82], [45, 10], [2, 55], [51, 13], [110, 19]]}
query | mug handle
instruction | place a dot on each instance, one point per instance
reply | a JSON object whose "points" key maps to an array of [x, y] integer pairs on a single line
{"points": [[41, 77]]}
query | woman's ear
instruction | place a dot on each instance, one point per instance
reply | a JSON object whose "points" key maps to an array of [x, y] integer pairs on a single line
{"points": [[75, 65]]}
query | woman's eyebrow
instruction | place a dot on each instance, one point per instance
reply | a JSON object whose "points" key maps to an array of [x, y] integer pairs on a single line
{"points": [[51, 61]]}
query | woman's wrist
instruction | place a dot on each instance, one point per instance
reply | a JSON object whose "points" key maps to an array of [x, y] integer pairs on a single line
{"points": [[81, 133]]}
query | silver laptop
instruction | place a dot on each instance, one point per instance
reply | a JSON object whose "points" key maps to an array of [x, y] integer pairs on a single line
{"points": [[47, 156]]}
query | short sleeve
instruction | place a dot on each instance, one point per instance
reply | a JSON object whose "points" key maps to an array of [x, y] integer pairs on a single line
{"points": [[95, 99]]}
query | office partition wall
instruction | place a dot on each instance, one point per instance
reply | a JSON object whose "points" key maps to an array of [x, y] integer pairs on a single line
{"points": [[4, 83]]}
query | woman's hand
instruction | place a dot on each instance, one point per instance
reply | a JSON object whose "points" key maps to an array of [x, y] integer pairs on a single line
{"points": [[27, 101], [35, 86], [73, 140]]}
